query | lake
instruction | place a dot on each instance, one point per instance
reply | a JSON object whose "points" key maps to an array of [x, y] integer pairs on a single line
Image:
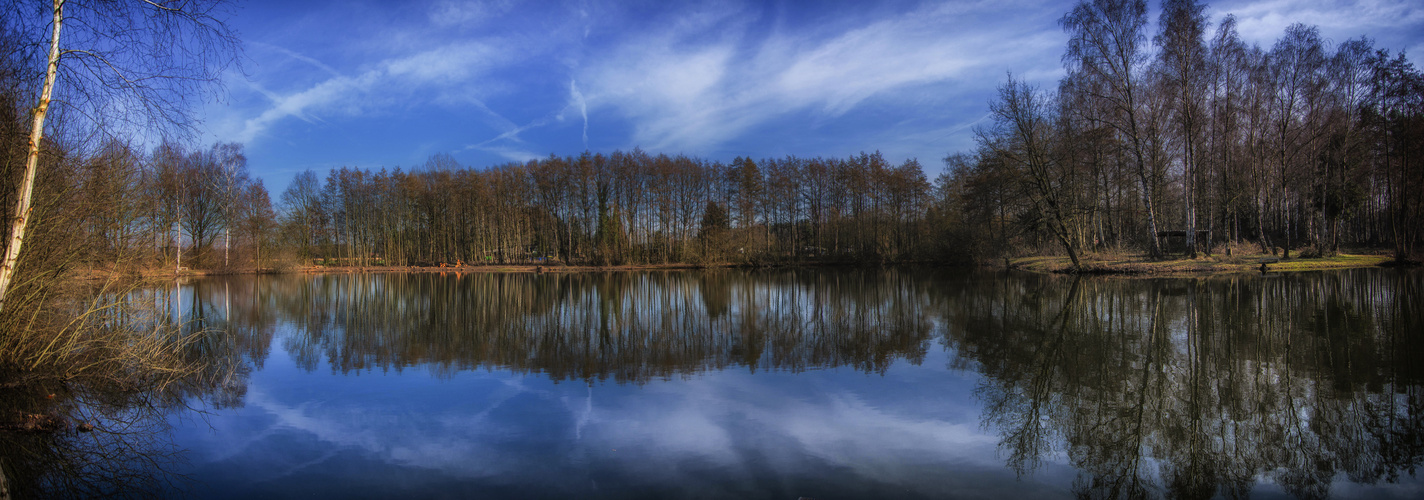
{"points": [[819, 383]]}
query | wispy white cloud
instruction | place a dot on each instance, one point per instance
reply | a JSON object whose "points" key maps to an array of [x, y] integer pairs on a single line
{"points": [[510, 153], [466, 12], [693, 90], [880, 57], [450, 65], [432, 74], [297, 56], [1264, 22], [512, 133], [577, 100]]}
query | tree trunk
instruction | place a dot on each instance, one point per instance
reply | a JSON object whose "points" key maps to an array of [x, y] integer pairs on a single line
{"points": [[32, 160], [1261, 220], [1151, 212], [178, 249], [1190, 195]]}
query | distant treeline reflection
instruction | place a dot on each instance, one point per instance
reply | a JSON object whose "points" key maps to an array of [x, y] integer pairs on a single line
{"points": [[632, 327], [1149, 387]]}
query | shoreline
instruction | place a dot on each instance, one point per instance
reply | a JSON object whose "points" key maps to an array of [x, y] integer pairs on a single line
{"points": [[1123, 265], [1142, 265], [150, 274]]}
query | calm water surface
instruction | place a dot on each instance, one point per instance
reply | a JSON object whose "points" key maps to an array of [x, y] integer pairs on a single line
{"points": [[800, 383]]}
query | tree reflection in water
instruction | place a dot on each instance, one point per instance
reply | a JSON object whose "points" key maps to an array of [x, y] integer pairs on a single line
{"points": [[107, 435], [632, 327], [1196, 388], [1181, 388]]}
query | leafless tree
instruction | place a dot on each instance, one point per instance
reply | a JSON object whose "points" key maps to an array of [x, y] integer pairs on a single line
{"points": [[1107, 44], [113, 65]]}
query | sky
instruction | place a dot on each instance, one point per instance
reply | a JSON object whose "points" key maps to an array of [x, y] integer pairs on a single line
{"points": [[372, 84]]}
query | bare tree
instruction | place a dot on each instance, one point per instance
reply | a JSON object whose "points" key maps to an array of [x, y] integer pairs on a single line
{"points": [[1184, 67], [1296, 62], [122, 63], [202, 211], [1106, 39], [1230, 70], [1023, 136], [232, 181], [301, 204]]}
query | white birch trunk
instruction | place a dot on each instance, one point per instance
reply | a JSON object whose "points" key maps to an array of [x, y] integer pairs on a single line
{"points": [[32, 159], [178, 250]]}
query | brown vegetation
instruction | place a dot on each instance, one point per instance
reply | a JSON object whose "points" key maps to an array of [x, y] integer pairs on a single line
{"points": [[1143, 265], [618, 209], [1187, 144], [78, 200], [1204, 145]]}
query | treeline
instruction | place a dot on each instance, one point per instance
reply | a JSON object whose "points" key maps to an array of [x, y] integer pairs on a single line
{"points": [[110, 204], [1198, 140], [621, 208], [117, 206], [176, 206], [1190, 141]]}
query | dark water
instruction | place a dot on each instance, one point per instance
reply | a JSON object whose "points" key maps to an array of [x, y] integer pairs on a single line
{"points": [[799, 383]]}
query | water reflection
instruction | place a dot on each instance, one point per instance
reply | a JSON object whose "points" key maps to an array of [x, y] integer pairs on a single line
{"points": [[127, 456], [105, 433], [1200, 388], [631, 327], [1140, 388], [1183, 388]]}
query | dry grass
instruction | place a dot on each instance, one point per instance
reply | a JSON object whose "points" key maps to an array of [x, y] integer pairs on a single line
{"points": [[1239, 262], [97, 335]]}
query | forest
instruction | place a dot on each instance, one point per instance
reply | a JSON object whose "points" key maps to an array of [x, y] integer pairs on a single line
{"points": [[1179, 142], [1301, 147], [1166, 138]]}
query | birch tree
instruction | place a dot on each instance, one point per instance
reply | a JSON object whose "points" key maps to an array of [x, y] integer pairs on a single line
{"points": [[1107, 45], [232, 181], [1184, 66], [124, 66]]}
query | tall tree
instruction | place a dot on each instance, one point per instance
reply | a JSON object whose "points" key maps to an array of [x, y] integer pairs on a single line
{"points": [[1230, 71], [255, 219], [1184, 67], [1105, 43], [201, 213], [1024, 137], [130, 62], [301, 204], [231, 182], [1397, 121], [1339, 188], [1296, 62]]}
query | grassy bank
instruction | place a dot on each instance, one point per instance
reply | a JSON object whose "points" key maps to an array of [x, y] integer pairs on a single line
{"points": [[169, 273], [1144, 265], [1121, 263]]}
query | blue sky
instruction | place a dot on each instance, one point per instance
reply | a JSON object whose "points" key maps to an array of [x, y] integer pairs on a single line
{"points": [[385, 84]]}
